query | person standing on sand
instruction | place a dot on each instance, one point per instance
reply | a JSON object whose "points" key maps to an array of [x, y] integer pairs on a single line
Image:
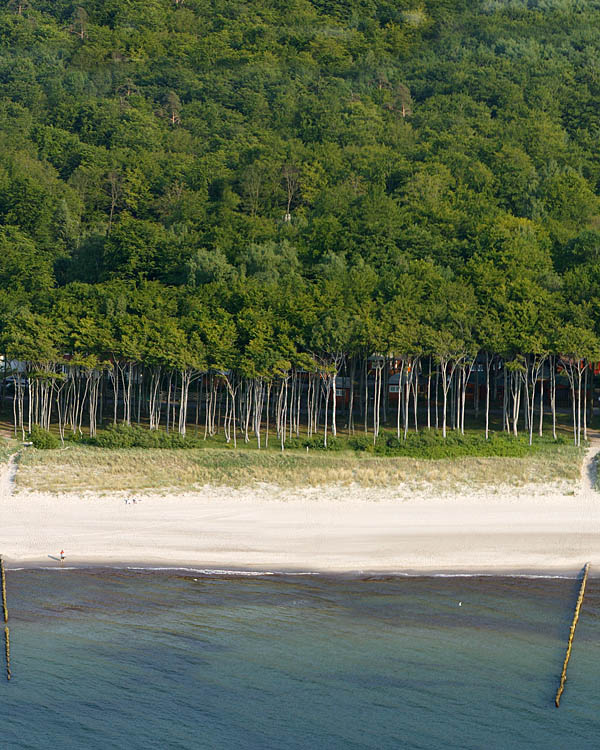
{"points": [[62, 556]]}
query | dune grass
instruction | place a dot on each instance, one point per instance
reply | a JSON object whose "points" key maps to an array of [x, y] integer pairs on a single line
{"points": [[7, 448], [84, 468]]}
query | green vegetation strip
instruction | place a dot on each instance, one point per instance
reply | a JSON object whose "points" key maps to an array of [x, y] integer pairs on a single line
{"points": [[424, 444]]}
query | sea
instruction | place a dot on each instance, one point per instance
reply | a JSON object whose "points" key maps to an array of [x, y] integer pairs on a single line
{"points": [[189, 659]]}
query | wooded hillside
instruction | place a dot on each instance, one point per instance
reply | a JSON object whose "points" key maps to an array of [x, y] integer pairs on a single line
{"points": [[240, 191]]}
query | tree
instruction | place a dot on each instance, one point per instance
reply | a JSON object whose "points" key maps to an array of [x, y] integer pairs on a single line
{"points": [[290, 176], [80, 23], [578, 347]]}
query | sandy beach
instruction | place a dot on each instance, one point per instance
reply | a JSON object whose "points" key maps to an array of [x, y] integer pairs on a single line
{"points": [[331, 529]]}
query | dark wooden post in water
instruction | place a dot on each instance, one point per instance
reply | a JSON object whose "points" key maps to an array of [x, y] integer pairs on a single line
{"points": [[3, 576], [5, 611], [563, 676], [7, 650]]}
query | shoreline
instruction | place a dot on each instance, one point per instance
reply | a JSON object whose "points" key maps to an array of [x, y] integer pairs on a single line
{"points": [[183, 570], [537, 530]]}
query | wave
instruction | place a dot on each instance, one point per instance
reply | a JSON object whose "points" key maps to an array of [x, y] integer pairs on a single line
{"points": [[498, 575], [351, 575], [356, 575], [57, 568], [201, 571]]}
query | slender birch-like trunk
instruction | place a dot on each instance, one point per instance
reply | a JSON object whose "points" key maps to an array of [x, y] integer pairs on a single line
{"points": [[409, 377], [447, 380], [487, 395], [585, 400], [541, 423], [415, 390], [327, 393], [351, 398], [429, 396], [398, 407], [437, 391], [553, 394]]}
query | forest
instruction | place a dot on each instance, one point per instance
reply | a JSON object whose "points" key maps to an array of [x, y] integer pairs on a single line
{"points": [[249, 215]]}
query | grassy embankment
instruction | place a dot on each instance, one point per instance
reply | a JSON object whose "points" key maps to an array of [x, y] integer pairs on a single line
{"points": [[80, 468]]}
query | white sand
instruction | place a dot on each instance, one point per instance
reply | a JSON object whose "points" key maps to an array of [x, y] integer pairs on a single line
{"points": [[329, 529]]}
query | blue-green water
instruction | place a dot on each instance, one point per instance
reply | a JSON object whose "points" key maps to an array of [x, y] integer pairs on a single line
{"points": [[124, 659]]}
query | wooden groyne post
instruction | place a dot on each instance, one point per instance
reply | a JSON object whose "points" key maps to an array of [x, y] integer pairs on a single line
{"points": [[563, 676], [7, 650], [5, 612], [3, 576]]}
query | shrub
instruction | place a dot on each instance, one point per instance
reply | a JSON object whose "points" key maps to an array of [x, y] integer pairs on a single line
{"points": [[431, 444], [361, 443], [175, 440], [317, 442], [76, 437], [124, 436], [134, 436], [43, 439], [294, 443]]}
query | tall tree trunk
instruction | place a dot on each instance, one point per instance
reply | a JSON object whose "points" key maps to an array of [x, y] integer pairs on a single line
{"points": [[553, 394], [585, 400], [415, 390], [334, 405], [366, 395], [487, 395], [541, 424], [269, 386], [398, 407], [351, 399], [429, 396], [409, 376], [515, 388], [476, 393], [186, 379], [139, 395], [505, 424], [437, 391], [574, 407], [578, 403], [446, 383], [169, 400], [327, 393]]}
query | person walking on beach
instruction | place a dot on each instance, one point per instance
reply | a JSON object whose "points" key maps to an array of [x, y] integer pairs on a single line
{"points": [[62, 556]]}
